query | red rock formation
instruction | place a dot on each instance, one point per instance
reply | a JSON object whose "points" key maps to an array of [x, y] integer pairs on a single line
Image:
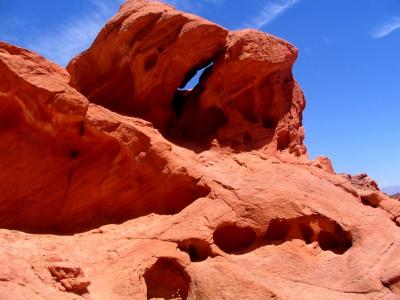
{"points": [[148, 50], [251, 87], [131, 213], [247, 98], [68, 166]]}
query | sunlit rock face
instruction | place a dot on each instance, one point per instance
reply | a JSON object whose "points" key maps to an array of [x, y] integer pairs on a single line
{"points": [[246, 98], [115, 183]]}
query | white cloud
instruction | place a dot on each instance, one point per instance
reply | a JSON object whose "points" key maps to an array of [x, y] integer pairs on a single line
{"points": [[193, 6], [386, 28], [269, 12], [66, 41]]}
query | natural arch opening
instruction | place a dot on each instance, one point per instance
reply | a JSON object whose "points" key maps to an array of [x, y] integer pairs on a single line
{"points": [[193, 78], [193, 123]]}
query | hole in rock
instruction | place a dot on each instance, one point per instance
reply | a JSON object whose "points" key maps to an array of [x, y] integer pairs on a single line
{"points": [[371, 200], [313, 228], [167, 279], [269, 124], [74, 154], [194, 76], [150, 61], [197, 249], [232, 239]]}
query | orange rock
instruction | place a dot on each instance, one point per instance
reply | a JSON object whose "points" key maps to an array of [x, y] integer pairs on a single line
{"points": [[142, 56], [71, 279], [68, 166], [246, 99], [98, 204], [251, 93], [324, 163]]}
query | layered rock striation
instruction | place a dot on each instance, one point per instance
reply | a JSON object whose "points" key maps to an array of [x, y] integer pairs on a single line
{"points": [[117, 183]]}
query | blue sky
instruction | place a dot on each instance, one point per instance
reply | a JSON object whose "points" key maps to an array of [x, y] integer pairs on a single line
{"points": [[348, 66]]}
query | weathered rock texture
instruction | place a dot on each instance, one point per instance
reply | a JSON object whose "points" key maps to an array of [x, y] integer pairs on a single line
{"points": [[115, 184], [247, 97]]}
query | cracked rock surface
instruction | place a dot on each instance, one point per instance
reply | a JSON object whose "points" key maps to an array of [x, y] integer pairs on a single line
{"points": [[117, 184]]}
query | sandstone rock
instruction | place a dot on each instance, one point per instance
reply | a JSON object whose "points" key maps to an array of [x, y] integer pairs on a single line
{"points": [[72, 279], [250, 87], [146, 215], [67, 166], [247, 97], [324, 163], [142, 56], [370, 195]]}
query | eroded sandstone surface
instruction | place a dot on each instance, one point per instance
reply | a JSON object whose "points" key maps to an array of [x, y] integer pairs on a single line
{"points": [[116, 183]]}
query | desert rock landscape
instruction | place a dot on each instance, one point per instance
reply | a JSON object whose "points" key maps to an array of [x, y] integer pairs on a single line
{"points": [[118, 183]]}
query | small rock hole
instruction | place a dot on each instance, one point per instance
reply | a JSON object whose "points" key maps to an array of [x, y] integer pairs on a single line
{"points": [[370, 200], [167, 279], [277, 230], [314, 228], [268, 124], [233, 239], [150, 61], [74, 154], [197, 249]]}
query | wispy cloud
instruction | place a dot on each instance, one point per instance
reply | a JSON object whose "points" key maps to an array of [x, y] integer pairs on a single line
{"points": [[269, 12], [67, 40], [386, 28], [193, 6]]}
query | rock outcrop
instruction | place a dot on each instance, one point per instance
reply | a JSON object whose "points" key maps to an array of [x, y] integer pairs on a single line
{"points": [[148, 50], [69, 166], [247, 97], [117, 184]]}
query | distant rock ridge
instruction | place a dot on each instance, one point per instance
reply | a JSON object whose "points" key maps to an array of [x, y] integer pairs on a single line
{"points": [[117, 184], [391, 190]]}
